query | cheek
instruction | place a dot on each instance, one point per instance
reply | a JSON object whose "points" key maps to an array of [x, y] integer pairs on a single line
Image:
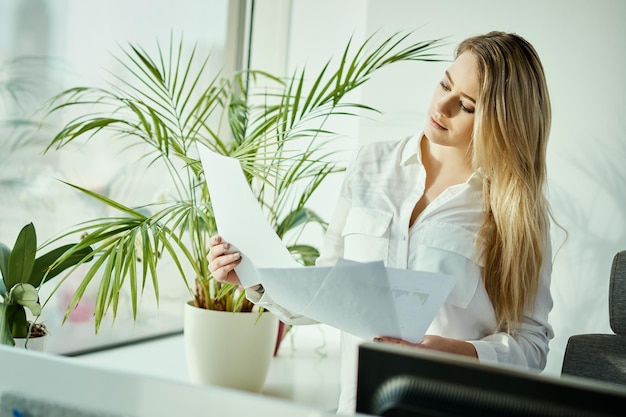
{"points": [[468, 127], [470, 122]]}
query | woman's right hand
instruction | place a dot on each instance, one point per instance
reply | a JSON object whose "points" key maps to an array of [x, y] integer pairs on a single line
{"points": [[222, 263]]}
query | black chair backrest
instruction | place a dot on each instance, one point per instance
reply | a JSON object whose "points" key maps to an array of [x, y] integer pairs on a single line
{"points": [[603, 356], [617, 294]]}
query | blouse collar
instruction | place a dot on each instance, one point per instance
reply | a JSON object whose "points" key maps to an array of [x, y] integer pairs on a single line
{"points": [[412, 153]]}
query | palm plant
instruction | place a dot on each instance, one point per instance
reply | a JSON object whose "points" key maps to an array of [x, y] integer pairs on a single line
{"points": [[275, 128]]}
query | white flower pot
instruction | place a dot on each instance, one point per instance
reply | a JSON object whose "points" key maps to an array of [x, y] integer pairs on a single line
{"points": [[34, 343], [229, 349]]}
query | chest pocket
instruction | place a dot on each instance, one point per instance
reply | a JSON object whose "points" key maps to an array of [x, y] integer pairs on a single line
{"points": [[448, 249], [366, 234]]}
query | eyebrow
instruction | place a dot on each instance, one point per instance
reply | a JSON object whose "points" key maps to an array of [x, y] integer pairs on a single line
{"points": [[463, 94]]}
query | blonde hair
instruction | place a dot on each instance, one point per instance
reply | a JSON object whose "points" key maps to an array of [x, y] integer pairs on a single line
{"points": [[511, 129]]}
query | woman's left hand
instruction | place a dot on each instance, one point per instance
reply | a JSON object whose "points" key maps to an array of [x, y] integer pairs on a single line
{"points": [[442, 344]]}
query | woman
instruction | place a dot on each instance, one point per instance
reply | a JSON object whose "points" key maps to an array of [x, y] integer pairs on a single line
{"points": [[465, 197]]}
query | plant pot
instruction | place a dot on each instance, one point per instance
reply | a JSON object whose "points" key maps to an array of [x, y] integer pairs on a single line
{"points": [[229, 349], [34, 343]]}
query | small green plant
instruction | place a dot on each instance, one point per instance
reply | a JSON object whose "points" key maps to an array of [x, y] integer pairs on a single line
{"points": [[23, 274]]}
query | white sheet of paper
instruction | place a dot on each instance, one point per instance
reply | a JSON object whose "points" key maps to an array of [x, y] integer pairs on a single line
{"points": [[239, 218], [355, 297], [364, 299], [295, 287], [418, 295]]}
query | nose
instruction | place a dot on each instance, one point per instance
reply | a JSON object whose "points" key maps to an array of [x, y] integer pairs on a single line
{"points": [[444, 105]]}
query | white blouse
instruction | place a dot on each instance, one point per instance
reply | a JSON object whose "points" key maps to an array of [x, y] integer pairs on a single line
{"points": [[371, 222]]}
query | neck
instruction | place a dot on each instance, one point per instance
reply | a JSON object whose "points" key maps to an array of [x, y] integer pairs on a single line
{"points": [[450, 161]]}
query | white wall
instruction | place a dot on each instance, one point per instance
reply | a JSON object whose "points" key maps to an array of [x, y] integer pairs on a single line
{"points": [[581, 45]]}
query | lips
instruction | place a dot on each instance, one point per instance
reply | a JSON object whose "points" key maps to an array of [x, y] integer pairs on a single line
{"points": [[436, 124]]}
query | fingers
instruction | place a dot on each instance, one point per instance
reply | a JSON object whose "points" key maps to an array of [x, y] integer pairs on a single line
{"points": [[386, 339], [394, 341], [215, 240], [226, 261], [223, 268], [226, 272], [222, 262], [218, 248]]}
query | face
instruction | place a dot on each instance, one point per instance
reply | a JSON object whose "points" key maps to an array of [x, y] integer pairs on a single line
{"points": [[451, 112]]}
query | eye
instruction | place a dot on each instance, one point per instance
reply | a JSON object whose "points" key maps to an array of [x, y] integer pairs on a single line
{"points": [[466, 109], [444, 85]]}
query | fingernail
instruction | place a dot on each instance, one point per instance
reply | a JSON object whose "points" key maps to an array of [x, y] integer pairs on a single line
{"points": [[237, 256], [226, 245]]}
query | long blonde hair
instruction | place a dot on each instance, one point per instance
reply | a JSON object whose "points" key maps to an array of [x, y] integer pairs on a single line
{"points": [[511, 129]]}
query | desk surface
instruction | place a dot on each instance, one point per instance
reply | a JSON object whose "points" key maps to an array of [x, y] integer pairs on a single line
{"points": [[105, 384], [305, 370]]}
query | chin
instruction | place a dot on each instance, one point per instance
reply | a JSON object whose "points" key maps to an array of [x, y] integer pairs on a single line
{"points": [[435, 136]]}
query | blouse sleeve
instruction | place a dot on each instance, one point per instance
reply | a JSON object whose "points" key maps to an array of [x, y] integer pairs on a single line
{"points": [[528, 345], [284, 315]]}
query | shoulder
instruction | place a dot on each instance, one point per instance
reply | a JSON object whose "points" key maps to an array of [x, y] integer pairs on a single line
{"points": [[381, 154], [385, 147]]}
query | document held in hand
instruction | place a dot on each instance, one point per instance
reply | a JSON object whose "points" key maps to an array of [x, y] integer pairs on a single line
{"points": [[364, 299]]}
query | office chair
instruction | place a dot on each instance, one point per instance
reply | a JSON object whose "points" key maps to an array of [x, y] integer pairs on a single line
{"points": [[603, 356]]}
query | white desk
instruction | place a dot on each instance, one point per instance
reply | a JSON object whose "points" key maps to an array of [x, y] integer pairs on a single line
{"points": [[63, 386], [305, 370]]}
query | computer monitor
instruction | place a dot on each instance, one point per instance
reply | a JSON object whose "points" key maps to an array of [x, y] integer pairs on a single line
{"points": [[396, 381]]}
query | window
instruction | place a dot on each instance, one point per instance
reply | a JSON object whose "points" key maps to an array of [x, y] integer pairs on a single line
{"points": [[45, 47]]}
